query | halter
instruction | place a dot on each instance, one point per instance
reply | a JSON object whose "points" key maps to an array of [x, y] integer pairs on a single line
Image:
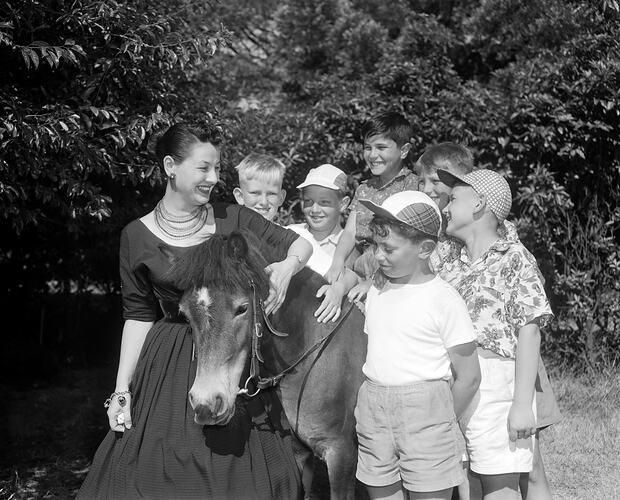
{"points": [[256, 356]]}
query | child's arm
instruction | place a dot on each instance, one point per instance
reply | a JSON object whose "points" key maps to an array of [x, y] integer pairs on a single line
{"points": [[521, 421], [466, 369], [331, 306], [343, 249]]}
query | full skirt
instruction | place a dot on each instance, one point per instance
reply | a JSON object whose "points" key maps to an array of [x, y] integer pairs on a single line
{"points": [[167, 455]]}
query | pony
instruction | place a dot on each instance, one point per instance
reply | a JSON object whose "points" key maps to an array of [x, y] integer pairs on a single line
{"points": [[317, 367]]}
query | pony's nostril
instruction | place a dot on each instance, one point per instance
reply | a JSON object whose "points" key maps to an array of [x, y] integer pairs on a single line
{"points": [[218, 404], [191, 399]]}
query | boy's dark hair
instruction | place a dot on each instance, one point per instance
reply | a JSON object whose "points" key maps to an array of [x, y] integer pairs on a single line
{"points": [[380, 226], [449, 156], [180, 137], [390, 124]]}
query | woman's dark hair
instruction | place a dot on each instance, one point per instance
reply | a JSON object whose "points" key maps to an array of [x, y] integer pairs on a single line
{"points": [[390, 124], [380, 226], [179, 138]]}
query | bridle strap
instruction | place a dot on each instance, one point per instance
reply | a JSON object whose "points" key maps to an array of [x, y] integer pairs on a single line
{"points": [[256, 357]]}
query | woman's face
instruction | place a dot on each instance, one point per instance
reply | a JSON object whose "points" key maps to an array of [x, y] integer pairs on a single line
{"points": [[196, 175]]}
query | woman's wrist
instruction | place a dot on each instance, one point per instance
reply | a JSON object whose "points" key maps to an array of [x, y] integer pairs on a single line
{"points": [[296, 261]]}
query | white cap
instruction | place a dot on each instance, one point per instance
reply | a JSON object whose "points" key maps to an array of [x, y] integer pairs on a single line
{"points": [[327, 176], [413, 208]]}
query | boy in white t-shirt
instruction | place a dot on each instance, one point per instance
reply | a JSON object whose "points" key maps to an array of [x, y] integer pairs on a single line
{"points": [[420, 336], [324, 200]]}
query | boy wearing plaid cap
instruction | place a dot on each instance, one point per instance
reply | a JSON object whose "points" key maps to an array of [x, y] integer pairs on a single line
{"points": [[503, 289], [419, 332]]}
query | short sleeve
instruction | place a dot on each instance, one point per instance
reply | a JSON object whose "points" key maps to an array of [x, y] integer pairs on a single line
{"points": [[455, 325], [527, 301], [139, 302], [319, 261], [277, 237]]}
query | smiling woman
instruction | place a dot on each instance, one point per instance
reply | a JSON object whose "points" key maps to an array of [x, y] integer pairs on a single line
{"points": [[154, 449]]}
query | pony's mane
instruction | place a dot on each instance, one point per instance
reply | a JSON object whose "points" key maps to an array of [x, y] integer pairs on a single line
{"points": [[230, 263]]}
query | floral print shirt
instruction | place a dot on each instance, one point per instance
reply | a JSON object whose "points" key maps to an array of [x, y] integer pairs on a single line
{"points": [[503, 290], [448, 249], [372, 190]]}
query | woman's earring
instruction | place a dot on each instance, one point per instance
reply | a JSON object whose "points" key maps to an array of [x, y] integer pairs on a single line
{"points": [[171, 176]]}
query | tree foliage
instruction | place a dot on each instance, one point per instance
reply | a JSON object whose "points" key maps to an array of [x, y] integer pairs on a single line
{"points": [[532, 87]]}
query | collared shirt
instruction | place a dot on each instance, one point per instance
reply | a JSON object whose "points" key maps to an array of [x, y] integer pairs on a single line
{"points": [[322, 251], [449, 249], [503, 290], [373, 190]]}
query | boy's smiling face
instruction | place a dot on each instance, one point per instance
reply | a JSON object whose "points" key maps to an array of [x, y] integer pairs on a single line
{"points": [[433, 187], [383, 156], [262, 196], [461, 210], [322, 208]]}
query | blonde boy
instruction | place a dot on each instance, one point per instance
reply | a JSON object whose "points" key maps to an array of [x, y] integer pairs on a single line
{"points": [[260, 184]]}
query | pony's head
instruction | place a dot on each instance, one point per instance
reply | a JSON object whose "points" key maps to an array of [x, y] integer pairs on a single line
{"points": [[219, 278]]}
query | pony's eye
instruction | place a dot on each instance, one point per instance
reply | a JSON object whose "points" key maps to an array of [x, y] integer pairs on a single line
{"points": [[242, 309]]}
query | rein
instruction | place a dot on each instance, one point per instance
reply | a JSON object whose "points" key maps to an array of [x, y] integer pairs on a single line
{"points": [[256, 356]]}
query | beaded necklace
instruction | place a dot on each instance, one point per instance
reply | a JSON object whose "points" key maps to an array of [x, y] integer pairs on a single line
{"points": [[179, 227]]}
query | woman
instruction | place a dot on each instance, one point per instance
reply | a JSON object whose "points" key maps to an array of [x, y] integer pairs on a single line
{"points": [[154, 449]]}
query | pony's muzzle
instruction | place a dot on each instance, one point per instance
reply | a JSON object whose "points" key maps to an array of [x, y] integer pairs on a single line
{"points": [[212, 410]]}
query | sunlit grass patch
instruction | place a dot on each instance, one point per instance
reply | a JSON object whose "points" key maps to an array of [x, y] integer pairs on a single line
{"points": [[582, 453]]}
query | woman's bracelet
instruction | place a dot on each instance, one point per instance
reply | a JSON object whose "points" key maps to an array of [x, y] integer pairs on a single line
{"points": [[121, 398]]}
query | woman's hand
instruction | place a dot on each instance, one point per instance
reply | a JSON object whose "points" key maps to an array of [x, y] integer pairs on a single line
{"points": [[280, 274], [119, 415], [330, 308]]}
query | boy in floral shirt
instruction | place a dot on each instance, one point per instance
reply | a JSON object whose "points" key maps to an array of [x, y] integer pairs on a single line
{"points": [[503, 289]]}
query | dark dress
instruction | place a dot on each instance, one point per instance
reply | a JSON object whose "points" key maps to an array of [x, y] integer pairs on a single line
{"points": [[166, 454]]}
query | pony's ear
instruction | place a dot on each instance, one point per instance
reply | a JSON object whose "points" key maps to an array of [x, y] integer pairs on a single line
{"points": [[237, 246]]}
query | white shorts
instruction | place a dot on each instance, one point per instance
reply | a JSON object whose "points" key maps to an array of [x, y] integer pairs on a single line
{"points": [[485, 422]]}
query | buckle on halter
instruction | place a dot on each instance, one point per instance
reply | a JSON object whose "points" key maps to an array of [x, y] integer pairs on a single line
{"points": [[245, 391]]}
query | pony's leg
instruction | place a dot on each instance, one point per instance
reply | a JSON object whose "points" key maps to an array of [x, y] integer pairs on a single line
{"points": [[305, 461], [341, 460]]}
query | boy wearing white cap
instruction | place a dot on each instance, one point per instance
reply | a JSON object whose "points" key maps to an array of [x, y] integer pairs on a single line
{"points": [[323, 201], [503, 289], [419, 337]]}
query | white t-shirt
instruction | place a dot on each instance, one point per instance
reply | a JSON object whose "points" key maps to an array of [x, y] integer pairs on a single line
{"points": [[322, 251], [410, 328]]}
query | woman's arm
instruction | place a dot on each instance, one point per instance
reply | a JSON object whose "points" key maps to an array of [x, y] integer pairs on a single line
{"points": [[343, 249], [280, 273], [134, 333], [466, 369], [521, 421]]}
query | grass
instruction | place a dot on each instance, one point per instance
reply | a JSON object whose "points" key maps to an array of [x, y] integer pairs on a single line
{"points": [[582, 453], [53, 430]]}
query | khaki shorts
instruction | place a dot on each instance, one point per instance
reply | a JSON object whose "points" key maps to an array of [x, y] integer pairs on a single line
{"points": [[409, 434], [485, 422]]}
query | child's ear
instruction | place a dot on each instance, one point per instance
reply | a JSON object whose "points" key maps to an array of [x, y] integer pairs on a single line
{"points": [[426, 248], [282, 197], [344, 203], [404, 150], [480, 204], [238, 194]]}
